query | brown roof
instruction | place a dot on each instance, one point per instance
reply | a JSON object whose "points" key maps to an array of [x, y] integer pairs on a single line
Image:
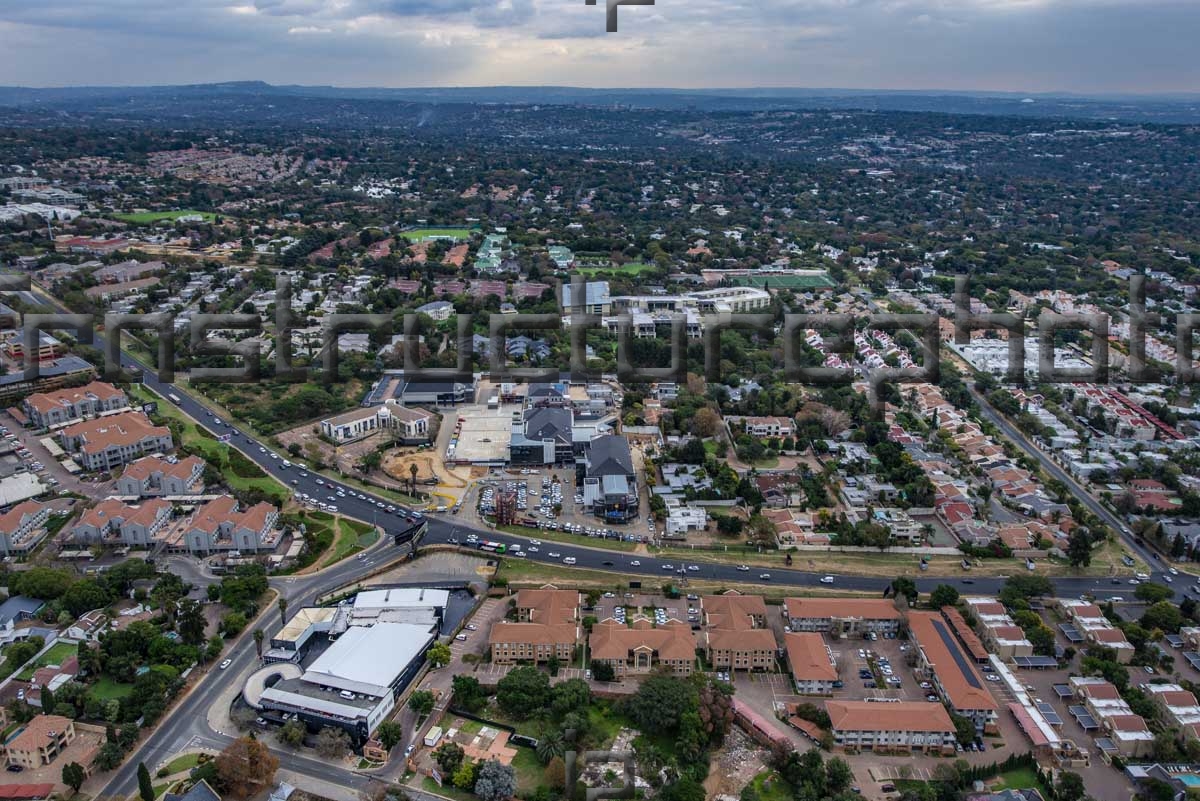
{"points": [[732, 610], [533, 633], [549, 604], [127, 428], [1127, 723], [966, 635], [741, 639], [37, 732], [613, 640], [1114, 636], [102, 514], [1099, 692], [808, 657], [915, 716], [958, 677], [10, 521], [820, 608], [1177, 698], [47, 401], [212, 515], [143, 468]]}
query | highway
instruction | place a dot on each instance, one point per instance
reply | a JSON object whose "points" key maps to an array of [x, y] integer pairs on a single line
{"points": [[187, 724]]}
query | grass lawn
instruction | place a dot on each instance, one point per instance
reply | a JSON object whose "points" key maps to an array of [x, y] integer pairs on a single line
{"points": [[421, 234], [181, 763], [529, 771], [771, 787], [448, 790], [55, 656], [1021, 779], [350, 538], [710, 447], [632, 268], [108, 690], [146, 217]]}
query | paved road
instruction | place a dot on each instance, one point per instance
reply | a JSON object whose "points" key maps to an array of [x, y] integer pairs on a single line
{"points": [[187, 724]]}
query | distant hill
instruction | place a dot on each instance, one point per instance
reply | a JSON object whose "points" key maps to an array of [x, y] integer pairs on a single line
{"points": [[132, 99]]}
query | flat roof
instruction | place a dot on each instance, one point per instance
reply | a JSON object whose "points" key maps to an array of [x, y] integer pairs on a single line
{"points": [[402, 598], [303, 620], [368, 659]]}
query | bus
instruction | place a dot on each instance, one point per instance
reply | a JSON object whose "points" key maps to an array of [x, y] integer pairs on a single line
{"points": [[493, 547], [175, 399]]}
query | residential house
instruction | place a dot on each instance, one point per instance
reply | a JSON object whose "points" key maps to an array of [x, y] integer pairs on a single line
{"points": [[40, 741]]}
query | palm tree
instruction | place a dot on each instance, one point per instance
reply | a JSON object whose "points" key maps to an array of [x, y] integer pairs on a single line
{"points": [[550, 746], [258, 641], [412, 471], [283, 610]]}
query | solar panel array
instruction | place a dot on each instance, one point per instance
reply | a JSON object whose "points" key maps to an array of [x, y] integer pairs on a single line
{"points": [[964, 667], [1084, 717], [1048, 712], [1193, 659], [1174, 640], [1035, 661], [1063, 690], [1070, 632]]}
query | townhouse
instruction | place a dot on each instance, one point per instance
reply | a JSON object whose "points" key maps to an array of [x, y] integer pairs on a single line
{"points": [[49, 409], [113, 522], [1129, 734], [152, 475], [639, 648], [766, 427], [842, 616], [811, 663], [547, 626], [1095, 628], [1177, 707], [942, 661], [904, 726], [1002, 636], [40, 741], [736, 635], [220, 525], [108, 442], [22, 527]]}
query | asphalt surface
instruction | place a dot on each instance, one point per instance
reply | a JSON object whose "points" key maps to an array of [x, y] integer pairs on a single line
{"points": [[187, 726]]}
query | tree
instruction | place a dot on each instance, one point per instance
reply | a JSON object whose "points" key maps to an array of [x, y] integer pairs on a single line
{"points": [[449, 757], [390, 733], [283, 605], [1162, 615], [438, 654], [1079, 548], [495, 782], [905, 586], [73, 775], [571, 695], [464, 777], [685, 789], [1018, 589], [838, 775], [245, 767], [333, 743], [111, 754], [660, 702], [190, 621], [49, 702], [523, 691], [943, 595], [550, 746], [1153, 592], [964, 728], [145, 785], [603, 671], [555, 774], [705, 422], [259, 636], [421, 702], [1069, 787], [294, 732], [468, 693]]}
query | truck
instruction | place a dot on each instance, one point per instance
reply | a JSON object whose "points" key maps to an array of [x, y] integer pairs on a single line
{"points": [[175, 399], [433, 736]]}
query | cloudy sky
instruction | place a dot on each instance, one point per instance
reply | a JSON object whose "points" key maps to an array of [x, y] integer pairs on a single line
{"points": [[1093, 46]]}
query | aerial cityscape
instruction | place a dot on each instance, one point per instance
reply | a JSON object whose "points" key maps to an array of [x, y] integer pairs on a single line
{"points": [[443, 440]]}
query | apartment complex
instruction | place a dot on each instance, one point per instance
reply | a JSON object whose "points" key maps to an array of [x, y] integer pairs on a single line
{"points": [[811, 662], [844, 616], [547, 626], [108, 442], [905, 726], [49, 409], [152, 475], [638, 649], [220, 525], [21, 527], [736, 635], [1177, 707], [113, 522], [1128, 732], [943, 662]]}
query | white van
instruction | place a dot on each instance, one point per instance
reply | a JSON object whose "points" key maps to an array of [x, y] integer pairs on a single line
{"points": [[570, 560]]}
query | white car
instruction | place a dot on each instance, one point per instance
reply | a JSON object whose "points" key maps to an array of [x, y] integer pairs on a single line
{"points": [[668, 567], [226, 663], [826, 579], [635, 563], [743, 568], [764, 576], [1172, 571], [554, 554]]}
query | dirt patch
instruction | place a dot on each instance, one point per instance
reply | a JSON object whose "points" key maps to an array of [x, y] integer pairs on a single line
{"points": [[398, 465], [734, 766]]}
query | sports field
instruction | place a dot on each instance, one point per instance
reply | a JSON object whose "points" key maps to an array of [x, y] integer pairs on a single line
{"points": [[146, 217], [632, 268], [785, 281], [421, 234]]}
